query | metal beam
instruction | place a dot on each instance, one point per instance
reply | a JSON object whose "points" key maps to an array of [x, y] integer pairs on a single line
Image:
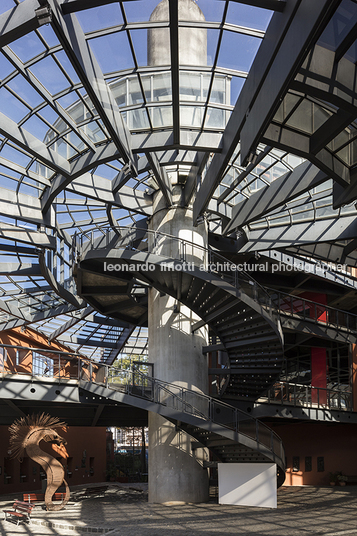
{"points": [[100, 189], [28, 290], [244, 173], [24, 171], [310, 267], [91, 342], [329, 130], [156, 141], [31, 144], [321, 77], [298, 143], [28, 318], [190, 140], [305, 27], [161, 177], [175, 82], [325, 252], [24, 207], [193, 176], [122, 178], [82, 164], [106, 321], [259, 70], [19, 269], [123, 339], [345, 196], [284, 189], [72, 38], [329, 332], [21, 20], [27, 236], [60, 290], [277, 61], [348, 249], [328, 230], [79, 5], [348, 41], [98, 413], [47, 97], [272, 5]]}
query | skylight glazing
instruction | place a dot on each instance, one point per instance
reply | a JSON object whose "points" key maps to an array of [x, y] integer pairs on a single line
{"points": [[81, 109]]}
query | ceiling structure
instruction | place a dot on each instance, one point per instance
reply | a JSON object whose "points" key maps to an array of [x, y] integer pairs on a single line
{"points": [[264, 136]]}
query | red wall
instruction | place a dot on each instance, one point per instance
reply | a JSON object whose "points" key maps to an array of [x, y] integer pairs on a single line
{"points": [[85, 469], [336, 443]]}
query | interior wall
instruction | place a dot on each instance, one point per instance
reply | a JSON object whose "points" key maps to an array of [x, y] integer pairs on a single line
{"points": [[86, 462], [328, 447]]}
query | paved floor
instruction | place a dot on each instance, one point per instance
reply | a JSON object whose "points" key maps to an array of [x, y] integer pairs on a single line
{"points": [[124, 511]]}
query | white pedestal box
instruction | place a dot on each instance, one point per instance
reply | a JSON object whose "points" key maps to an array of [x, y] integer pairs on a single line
{"points": [[247, 484]]}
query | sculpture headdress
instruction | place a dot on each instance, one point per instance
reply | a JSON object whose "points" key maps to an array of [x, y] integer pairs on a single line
{"points": [[20, 429]]}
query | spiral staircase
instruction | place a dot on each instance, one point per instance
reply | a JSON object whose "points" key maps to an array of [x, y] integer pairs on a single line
{"points": [[236, 308]]}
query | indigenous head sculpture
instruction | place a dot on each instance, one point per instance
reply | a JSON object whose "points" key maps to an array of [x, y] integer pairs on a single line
{"points": [[25, 435]]}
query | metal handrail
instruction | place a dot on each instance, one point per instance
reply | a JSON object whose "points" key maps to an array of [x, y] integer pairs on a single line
{"points": [[289, 304], [64, 364], [187, 401], [138, 384], [102, 237], [284, 392]]}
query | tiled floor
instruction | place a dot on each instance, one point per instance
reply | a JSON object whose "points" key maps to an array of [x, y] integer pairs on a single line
{"points": [[124, 511]]}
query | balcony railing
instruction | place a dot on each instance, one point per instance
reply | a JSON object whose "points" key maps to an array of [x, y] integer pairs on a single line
{"points": [[299, 395], [133, 382], [307, 310]]}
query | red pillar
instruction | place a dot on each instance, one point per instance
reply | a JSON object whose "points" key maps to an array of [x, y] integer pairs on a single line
{"points": [[318, 375], [354, 376], [318, 355]]}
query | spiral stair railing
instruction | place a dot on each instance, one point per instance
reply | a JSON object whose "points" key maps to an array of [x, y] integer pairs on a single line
{"points": [[201, 416], [105, 236]]}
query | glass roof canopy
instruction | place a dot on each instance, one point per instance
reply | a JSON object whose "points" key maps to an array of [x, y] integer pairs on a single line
{"points": [[89, 127]]}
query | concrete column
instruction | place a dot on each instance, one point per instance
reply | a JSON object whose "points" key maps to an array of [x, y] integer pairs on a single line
{"points": [[176, 473]]}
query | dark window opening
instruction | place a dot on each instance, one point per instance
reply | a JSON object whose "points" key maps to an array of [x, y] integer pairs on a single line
{"points": [[308, 464], [320, 464], [296, 464]]}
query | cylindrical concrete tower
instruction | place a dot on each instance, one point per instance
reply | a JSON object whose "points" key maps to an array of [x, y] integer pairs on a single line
{"points": [[176, 473], [192, 41]]}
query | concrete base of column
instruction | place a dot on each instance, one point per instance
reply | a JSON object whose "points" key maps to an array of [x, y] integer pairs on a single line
{"points": [[176, 474]]}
